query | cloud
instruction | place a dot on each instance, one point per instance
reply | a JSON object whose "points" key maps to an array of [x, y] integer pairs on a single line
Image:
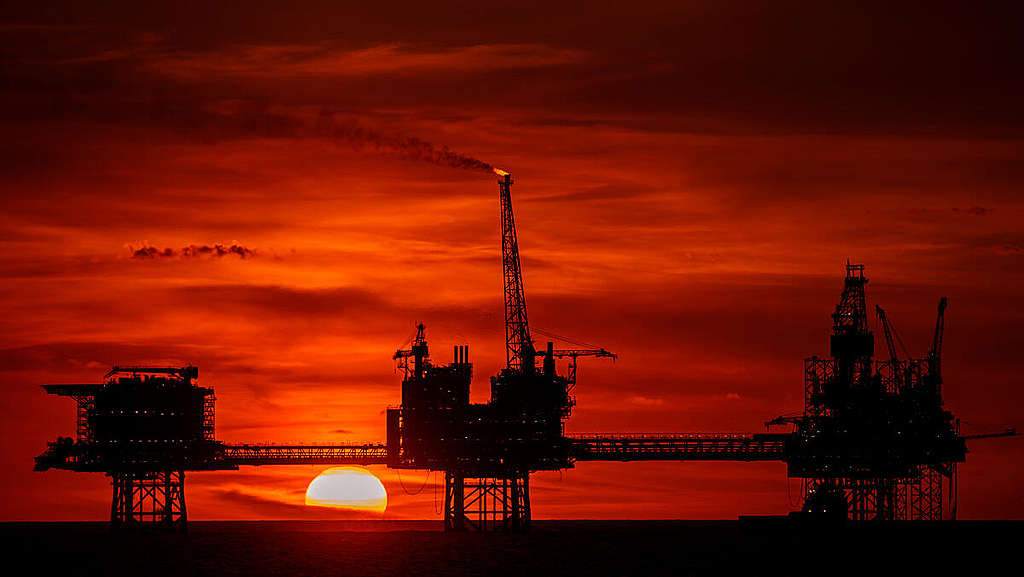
{"points": [[288, 301], [646, 401], [324, 60], [973, 211], [92, 358], [149, 252], [284, 505]]}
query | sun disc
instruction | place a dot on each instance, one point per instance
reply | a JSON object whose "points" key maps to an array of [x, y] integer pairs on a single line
{"points": [[352, 488]]}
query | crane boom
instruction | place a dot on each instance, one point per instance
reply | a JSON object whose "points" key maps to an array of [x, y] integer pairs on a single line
{"points": [[889, 342], [519, 351], [891, 338], [575, 354], [935, 354]]}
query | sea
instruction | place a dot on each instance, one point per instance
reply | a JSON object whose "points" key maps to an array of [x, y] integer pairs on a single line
{"points": [[752, 546]]}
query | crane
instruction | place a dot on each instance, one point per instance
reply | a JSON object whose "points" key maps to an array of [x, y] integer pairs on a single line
{"points": [[519, 351], [574, 354], [889, 342], [891, 338], [935, 354], [418, 352]]}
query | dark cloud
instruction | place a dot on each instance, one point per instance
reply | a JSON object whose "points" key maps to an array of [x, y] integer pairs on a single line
{"points": [[288, 301], [784, 66], [92, 359], [617, 191], [973, 211], [269, 507], [363, 309], [191, 251]]}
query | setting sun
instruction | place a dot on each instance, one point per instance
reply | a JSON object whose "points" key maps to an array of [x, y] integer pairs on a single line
{"points": [[348, 488]]}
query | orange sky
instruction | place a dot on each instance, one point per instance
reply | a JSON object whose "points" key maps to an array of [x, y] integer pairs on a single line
{"points": [[691, 179]]}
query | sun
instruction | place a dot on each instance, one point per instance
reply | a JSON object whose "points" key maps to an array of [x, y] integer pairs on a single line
{"points": [[353, 488]]}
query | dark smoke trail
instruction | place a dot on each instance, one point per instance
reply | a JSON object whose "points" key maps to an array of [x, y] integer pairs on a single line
{"points": [[410, 148]]}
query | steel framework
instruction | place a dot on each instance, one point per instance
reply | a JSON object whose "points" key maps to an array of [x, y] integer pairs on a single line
{"points": [[677, 447], [874, 440], [486, 503], [370, 454], [150, 498], [518, 345]]}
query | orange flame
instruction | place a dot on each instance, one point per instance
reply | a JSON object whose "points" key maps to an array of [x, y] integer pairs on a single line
{"points": [[500, 172]]}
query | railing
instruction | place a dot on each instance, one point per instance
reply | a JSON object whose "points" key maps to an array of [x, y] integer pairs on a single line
{"points": [[677, 447], [659, 436], [368, 454], [583, 447]]}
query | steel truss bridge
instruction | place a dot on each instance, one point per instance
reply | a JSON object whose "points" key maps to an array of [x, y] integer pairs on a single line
{"points": [[368, 454], [583, 447], [677, 447]]}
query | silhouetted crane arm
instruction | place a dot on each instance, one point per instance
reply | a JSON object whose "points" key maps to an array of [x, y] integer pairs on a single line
{"points": [[889, 342], [562, 353], [1006, 433], [574, 354], [935, 354]]}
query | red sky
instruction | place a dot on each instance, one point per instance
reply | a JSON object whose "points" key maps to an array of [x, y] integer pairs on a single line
{"points": [[691, 178]]}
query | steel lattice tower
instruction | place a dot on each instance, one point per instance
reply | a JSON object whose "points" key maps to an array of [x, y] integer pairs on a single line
{"points": [[519, 347]]}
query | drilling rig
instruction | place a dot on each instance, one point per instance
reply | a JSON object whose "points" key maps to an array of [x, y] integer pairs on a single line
{"points": [[487, 451], [144, 427], [874, 441]]}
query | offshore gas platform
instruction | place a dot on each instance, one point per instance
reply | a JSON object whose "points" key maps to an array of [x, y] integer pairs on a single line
{"points": [[874, 441]]}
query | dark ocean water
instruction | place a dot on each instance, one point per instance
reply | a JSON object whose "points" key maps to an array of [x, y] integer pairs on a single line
{"points": [[751, 547]]}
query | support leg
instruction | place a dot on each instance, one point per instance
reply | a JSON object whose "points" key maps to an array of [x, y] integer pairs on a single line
{"points": [[148, 500], [487, 503]]}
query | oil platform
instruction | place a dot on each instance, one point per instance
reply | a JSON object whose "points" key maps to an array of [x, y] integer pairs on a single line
{"points": [[144, 427], [874, 441]]}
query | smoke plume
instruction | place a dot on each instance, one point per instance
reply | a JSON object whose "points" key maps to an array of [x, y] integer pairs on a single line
{"points": [[409, 148]]}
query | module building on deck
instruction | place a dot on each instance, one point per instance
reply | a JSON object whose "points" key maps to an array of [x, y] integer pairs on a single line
{"points": [[144, 427]]}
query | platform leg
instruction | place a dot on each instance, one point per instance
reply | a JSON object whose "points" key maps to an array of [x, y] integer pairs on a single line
{"points": [[150, 499], [487, 503]]}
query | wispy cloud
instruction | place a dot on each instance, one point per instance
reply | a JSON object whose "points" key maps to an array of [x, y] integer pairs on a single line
{"points": [[973, 211], [1010, 250], [321, 60], [645, 401]]}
